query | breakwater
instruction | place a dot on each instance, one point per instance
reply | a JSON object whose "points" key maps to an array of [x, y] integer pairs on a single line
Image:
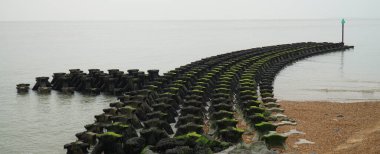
{"points": [[193, 108]]}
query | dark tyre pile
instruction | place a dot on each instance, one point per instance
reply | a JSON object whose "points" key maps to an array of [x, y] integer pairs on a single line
{"points": [[191, 109]]}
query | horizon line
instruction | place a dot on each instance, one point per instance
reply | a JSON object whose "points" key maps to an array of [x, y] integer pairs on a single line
{"points": [[257, 19]]}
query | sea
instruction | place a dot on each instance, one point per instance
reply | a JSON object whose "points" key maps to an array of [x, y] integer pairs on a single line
{"points": [[41, 124]]}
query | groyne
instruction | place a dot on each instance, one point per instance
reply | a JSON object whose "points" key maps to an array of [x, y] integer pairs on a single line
{"points": [[194, 108]]}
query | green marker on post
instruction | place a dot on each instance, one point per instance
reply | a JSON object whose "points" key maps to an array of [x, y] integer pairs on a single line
{"points": [[343, 22]]}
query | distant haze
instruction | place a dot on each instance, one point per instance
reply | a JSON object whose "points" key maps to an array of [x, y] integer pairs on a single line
{"points": [[20, 10]]}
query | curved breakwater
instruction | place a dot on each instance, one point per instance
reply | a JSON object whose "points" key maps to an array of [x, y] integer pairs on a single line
{"points": [[194, 108]]}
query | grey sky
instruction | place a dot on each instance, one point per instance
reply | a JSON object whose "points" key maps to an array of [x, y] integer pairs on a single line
{"points": [[185, 9]]}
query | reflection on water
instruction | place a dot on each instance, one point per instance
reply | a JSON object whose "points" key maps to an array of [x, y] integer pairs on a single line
{"points": [[331, 77]]}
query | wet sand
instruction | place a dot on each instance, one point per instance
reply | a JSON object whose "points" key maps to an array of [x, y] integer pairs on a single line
{"points": [[338, 128]]}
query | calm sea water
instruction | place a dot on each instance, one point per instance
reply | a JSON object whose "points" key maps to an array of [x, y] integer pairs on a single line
{"points": [[34, 123]]}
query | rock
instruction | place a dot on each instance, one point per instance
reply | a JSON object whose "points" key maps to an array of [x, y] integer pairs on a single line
{"points": [[159, 124], [231, 134], [124, 129], [194, 97], [109, 142], [153, 135], [182, 120], [68, 90], [274, 139], [42, 82], [248, 97], [160, 115], [197, 111], [167, 143], [248, 92], [125, 119], [221, 114], [110, 111], [256, 118], [134, 145], [271, 104], [221, 106], [225, 123], [194, 103], [221, 95], [180, 150], [249, 103], [44, 90], [276, 110], [87, 137], [268, 99], [77, 147], [165, 108], [220, 100], [190, 127], [169, 101], [266, 94], [95, 127], [265, 127], [117, 104], [106, 118], [22, 88], [253, 110], [258, 147], [202, 142]]}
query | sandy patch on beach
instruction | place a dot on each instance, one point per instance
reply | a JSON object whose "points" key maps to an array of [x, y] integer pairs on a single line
{"points": [[338, 128]]}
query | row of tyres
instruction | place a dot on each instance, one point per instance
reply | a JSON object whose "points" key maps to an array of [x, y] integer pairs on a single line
{"points": [[193, 108]]}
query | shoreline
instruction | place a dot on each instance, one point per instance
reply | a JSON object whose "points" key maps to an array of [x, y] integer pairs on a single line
{"points": [[333, 127]]}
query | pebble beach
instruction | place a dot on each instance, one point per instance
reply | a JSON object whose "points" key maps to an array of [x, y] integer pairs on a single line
{"points": [[330, 127]]}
